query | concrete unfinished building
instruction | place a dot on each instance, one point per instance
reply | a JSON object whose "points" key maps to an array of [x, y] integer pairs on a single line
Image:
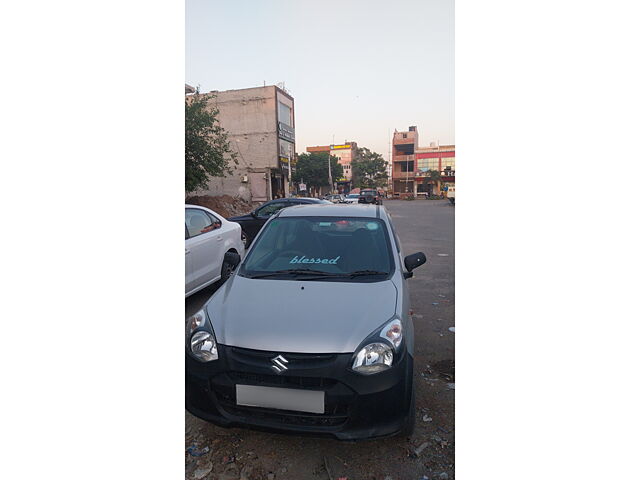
{"points": [[260, 124]]}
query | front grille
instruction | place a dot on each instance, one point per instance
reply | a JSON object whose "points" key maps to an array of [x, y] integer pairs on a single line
{"points": [[260, 358]]}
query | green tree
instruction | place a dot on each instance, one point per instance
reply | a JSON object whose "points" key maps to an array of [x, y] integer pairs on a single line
{"points": [[207, 151], [369, 169], [433, 175], [312, 168]]}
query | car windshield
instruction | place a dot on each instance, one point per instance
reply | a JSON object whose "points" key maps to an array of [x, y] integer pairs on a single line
{"points": [[321, 248], [353, 195]]}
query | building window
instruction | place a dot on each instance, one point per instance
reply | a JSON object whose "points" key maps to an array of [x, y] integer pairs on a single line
{"points": [[406, 166], [284, 114], [404, 135], [425, 164], [449, 162]]}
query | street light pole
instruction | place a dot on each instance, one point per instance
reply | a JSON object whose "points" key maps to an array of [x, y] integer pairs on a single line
{"points": [[330, 179]]}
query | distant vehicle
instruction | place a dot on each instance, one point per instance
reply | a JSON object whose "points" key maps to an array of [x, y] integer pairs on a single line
{"points": [[352, 198], [335, 198], [451, 195], [313, 331], [252, 222], [370, 196], [208, 239]]}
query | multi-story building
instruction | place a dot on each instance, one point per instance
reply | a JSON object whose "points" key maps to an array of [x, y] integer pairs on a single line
{"points": [[345, 153], [403, 159], [441, 158], [260, 124], [411, 162]]}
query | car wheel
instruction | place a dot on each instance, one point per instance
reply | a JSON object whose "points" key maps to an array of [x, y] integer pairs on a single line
{"points": [[410, 423], [225, 272]]}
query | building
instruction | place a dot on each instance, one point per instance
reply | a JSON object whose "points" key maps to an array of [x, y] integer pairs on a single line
{"points": [[188, 89], [260, 124], [411, 162], [435, 157], [345, 153]]}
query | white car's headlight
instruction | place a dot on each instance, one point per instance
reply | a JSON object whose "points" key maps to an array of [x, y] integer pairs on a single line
{"points": [[373, 358], [200, 338]]}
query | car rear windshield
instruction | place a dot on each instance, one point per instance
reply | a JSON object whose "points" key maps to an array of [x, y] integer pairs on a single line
{"points": [[353, 248]]}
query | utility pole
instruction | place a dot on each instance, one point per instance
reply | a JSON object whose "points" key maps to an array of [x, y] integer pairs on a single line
{"points": [[330, 179]]}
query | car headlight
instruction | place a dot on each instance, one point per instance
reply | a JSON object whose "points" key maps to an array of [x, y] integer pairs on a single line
{"points": [[377, 356], [373, 358], [392, 331], [200, 338]]}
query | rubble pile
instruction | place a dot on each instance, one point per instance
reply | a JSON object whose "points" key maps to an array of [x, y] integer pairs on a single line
{"points": [[225, 205]]}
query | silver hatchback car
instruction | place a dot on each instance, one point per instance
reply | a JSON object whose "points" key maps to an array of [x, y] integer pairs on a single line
{"points": [[311, 333]]}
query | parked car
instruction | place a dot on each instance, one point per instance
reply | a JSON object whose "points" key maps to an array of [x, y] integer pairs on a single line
{"points": [[370, 196], [335, 198], [352, 198], [451, 195], [208, 238], [312, 332], [252, 222]]}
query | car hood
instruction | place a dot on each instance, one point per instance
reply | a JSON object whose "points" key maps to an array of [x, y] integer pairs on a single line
{"points": [[299, 316], [247, 216]]}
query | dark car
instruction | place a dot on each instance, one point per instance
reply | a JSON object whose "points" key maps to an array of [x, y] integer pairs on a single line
{"points": [[252, 222], [370, 196]]}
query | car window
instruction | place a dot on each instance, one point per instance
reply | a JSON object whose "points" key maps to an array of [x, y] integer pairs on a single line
{"points": [[271, 208], [329, 244], [198, 222]]}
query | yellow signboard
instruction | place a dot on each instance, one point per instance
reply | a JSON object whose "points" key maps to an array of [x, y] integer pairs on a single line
{"points": [[337, 147]]}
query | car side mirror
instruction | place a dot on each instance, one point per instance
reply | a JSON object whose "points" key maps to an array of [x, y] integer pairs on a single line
{"points": [[254, 214], [217, 225], [232, 258], [413, 261]]}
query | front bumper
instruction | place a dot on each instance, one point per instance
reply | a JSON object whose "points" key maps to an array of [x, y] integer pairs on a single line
{"points": [[356, 406]]}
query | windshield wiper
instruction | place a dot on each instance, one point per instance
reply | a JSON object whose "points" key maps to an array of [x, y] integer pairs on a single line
{"points": [[317, 273], [297, 271], [358, 273]]}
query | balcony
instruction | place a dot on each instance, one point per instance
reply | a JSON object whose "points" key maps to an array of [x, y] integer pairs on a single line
{"points": [[404, 158]]}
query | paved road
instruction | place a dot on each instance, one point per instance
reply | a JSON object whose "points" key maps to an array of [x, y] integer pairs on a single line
{"points": [[422, 225]]}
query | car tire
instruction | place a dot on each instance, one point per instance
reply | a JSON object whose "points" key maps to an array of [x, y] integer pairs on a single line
{"points": [[225, 272], [410, 423]]}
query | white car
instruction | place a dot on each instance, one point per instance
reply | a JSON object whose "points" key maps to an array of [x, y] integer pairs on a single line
{"points": [[209, 238], [352, 198]]}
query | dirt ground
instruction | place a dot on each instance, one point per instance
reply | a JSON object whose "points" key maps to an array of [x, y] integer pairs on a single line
{"points": [[225, 205], [233, 454]]}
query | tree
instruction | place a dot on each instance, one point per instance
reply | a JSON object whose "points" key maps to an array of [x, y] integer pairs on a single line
{"points": [[434, 176], [207, 151], [312, 168], [369, 169]]}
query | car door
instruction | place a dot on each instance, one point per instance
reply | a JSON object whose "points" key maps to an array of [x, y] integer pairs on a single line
{"points": [[263, 214], [204, 246]]}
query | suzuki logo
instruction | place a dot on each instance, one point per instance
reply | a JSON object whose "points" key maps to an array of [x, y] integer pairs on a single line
{"points": [[279, 363]]}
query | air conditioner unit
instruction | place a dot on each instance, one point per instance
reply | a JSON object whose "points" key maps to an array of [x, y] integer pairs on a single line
{"points": [[245, 179]]}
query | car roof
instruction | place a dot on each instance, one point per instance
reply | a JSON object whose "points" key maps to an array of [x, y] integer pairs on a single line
{"points": [[333, 210], [295, 199]]}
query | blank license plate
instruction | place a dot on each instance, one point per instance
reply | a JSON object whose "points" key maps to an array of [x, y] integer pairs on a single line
{"points": [[281, 398]]}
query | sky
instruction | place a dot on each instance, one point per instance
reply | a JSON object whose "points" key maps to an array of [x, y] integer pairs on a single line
{"points": [[357, 70]]}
